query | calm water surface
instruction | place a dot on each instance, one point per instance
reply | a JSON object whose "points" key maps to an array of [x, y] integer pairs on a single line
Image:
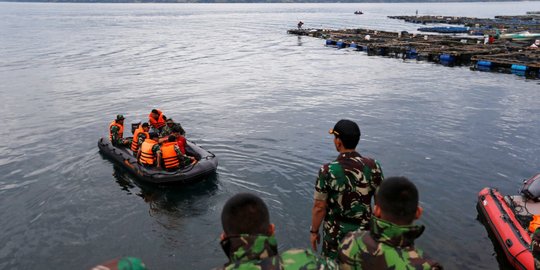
{"points": [[262, 101]]}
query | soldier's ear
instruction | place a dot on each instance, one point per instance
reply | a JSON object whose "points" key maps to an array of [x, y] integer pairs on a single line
{"points": [[377, 211], [338, 143], [223, 236], [271, 229], [419, 211]]}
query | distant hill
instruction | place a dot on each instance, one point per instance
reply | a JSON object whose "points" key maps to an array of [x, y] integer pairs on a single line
{"points": [[250, 1]]}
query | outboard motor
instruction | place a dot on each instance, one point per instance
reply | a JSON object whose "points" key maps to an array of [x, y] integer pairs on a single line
{"points": [[134, 126], [531, 188]]}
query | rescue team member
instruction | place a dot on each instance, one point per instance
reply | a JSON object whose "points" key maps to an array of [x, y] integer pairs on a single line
{"points": [[180, 139], [389, 243], [343, 190], [149, 149], [140, 134], [116, 132], [171, 158], [126, 263], [535, 247], [170, 128], [157, 119], [249, 242]]}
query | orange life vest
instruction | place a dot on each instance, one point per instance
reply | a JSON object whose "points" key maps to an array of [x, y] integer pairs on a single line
{"points": [[535, 223], [120, 132], [147, 155], [169, 155], [135, 142], [159, 123]]}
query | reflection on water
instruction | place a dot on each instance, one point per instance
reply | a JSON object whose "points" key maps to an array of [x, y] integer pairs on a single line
{"points": [[262, 101], [168, 199]]}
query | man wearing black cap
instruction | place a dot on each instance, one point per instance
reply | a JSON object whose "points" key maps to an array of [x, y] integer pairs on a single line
{"points": [[116, 131], [343, 190]]}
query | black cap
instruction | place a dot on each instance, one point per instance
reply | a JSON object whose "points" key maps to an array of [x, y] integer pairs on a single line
{"points": [[145, 124], [119, 117], [345, 128]]}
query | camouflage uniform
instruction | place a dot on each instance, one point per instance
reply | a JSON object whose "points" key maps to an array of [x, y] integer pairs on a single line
{"points": [[385, 246], [535, 247], [116, 139], [166, 131], [259, 252], [140, 140], [347, 185]]}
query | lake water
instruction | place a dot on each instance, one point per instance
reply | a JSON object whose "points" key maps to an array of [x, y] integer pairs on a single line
{"points": [[263, 101]]}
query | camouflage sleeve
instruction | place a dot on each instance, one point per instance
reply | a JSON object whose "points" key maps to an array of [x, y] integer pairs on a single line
{"points": [[351, 250], [183, 159], [114, 135], [535, 247], [305, 259], [156, 149], [377, 176], [141, 139], [321, 185]]}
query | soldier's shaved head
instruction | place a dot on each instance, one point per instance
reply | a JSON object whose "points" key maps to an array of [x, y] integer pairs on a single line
{"points": [[397, 197], [245, 213]]}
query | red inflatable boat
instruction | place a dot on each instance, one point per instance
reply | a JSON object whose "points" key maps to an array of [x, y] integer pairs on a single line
{"points": [[507, 220]]}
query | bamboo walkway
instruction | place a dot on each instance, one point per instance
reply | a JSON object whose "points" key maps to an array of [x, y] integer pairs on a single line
{"points": [[500, 56]]}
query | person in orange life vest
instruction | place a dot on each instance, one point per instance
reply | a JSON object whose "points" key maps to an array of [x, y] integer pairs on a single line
{"points": [[140, 134], [157, 119], [171, 158], [116, 132], [148, 152]]}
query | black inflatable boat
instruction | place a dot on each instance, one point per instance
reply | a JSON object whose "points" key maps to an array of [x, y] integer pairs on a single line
{"points": [[207, 164]]}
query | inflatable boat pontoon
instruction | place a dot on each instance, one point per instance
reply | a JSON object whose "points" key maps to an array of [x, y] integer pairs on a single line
{"points": [[207, 164]]}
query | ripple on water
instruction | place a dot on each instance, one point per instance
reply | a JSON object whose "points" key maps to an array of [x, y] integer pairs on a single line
{"points": [[262, 101]]}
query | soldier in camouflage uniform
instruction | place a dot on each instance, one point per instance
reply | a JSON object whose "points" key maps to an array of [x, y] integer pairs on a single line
{"points": [[535, 247], [249, 242], [343, 190], [116, 132], [172, 127], [389, 244]]}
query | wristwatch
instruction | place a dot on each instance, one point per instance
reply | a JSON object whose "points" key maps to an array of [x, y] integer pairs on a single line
{"points": [[311, 230]]}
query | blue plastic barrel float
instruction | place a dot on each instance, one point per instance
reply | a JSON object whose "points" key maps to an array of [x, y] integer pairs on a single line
{"points": [[330, 42], [519, 67], [446, 59], [353, 45], [484, 65], [341, 44], [412, 54]]}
